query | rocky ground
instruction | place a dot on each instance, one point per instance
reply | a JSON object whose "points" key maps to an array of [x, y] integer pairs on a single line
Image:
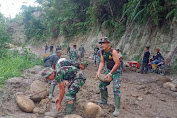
{"points": [[143, 95]]}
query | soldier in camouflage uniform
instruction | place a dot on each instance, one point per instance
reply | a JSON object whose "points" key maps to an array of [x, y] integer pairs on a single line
{"points": [[111, 59], [74, 53], [61, 63], [81, 54], [66, 76]]}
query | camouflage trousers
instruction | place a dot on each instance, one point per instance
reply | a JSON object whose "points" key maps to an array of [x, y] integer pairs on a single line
{"points": [[73, 88], [116, 78]]}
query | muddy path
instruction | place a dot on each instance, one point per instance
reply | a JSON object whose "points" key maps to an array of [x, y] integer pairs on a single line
{"points": [[142, 96]]}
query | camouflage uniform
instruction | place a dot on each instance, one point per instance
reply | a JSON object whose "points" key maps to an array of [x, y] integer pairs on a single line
{"points": [[61, 62], [116, 76], [66, 62], [74, 54], [82, 51], [75, 77]]}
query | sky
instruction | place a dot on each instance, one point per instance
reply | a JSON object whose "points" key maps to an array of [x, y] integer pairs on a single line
{"points": [[10, 8]]}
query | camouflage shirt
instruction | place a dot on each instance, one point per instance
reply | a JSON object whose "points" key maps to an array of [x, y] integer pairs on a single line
{"points": [[66, 62], [74, 54], [68, 73]]}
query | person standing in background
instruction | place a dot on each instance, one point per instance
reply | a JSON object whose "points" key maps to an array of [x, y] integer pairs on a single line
{"points": [[144, 67], [95, 53], [51, 49]]}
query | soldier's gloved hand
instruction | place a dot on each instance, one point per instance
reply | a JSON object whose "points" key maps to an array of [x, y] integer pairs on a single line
{"points": [[108, 77]]}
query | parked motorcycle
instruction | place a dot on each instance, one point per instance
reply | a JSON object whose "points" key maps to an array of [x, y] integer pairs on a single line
{"points": [[160, 69]]}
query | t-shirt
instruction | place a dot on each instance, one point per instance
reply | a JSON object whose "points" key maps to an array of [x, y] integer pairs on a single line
{"points": [[146, 57], [96, 50], [50, 60]]}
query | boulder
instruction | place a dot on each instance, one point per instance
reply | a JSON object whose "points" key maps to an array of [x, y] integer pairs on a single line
{"points": [[52, 114], [170, 85], [72, 116], [38, 90], [35, 70], [36, 110], [102, 77], [47, 117], [42, 106], [164, 79], [92, 110], [15, 80], [25, 103]]}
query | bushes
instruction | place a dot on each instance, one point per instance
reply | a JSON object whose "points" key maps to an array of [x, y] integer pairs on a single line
{"points": [[12, 63]]}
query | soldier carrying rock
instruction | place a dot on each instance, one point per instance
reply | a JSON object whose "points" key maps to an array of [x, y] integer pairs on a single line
{"points": [[61, 63], [111, 59], [67, 76]]}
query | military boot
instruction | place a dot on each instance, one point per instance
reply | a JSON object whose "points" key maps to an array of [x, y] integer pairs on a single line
{"points": [[52, 88], [69, 108], [117, 106], [104, 97]]}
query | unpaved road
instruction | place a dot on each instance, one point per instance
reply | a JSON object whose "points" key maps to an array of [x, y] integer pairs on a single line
{"points": [[142, 97]]}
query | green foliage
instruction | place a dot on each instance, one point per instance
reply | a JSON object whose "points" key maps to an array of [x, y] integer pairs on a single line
{"points": [[154, 10], [4, 36], [12, 63], [73, 17]]}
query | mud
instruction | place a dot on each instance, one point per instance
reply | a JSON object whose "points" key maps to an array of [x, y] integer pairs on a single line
{"points": [[141, 96]]}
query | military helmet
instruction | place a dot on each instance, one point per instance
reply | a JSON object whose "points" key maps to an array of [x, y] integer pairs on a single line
{"points": [[85, 63], [47, 71]]}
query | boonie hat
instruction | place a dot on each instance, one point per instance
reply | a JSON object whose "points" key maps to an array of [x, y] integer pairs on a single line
{"points": [[104, 40], [47, 71]]}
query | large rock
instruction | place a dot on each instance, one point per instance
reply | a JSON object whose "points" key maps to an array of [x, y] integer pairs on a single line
{"points": [[35, 70], [15, 80], [52, 114], [92, 110], [25, 103], [164, 79], [40, 88], [102, 78], [42, 106], [170, 85], [72, 116]]}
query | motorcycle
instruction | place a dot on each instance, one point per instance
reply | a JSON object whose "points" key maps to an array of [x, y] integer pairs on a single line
{"points": [[160, 69]]}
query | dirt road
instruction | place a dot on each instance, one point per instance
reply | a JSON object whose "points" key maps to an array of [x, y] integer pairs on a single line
{"points": [[142, 97]]}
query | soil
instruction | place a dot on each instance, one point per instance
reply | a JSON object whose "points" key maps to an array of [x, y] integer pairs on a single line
{"points": [[142, 97]]}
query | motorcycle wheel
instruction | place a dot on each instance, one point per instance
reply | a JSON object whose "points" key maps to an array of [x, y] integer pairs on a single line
{"points": [[162, 72]]}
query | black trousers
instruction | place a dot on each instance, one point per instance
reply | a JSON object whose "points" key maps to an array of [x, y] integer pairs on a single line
{"points": [[144, 67]]}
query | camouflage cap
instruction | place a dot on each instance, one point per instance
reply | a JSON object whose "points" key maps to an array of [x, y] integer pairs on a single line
{"points": [[58, 51], [47, 71], [104, 40], [85, 63]]}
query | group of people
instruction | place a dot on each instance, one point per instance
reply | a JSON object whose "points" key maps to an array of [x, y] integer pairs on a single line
{"points": [[75, 54], [154, 61], [51, 48], [68, 73]]}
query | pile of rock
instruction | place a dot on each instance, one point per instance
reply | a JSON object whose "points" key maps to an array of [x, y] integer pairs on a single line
{"points": [[168, 84]]}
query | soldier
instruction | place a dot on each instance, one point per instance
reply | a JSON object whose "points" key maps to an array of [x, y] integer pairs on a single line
{"points": [[111, 59], [61, 63], [82, 51], [68, 50], [74, 53], [67, 76]]}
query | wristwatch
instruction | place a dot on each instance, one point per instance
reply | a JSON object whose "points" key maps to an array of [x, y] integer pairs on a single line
{"points": [[110, 74]]}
